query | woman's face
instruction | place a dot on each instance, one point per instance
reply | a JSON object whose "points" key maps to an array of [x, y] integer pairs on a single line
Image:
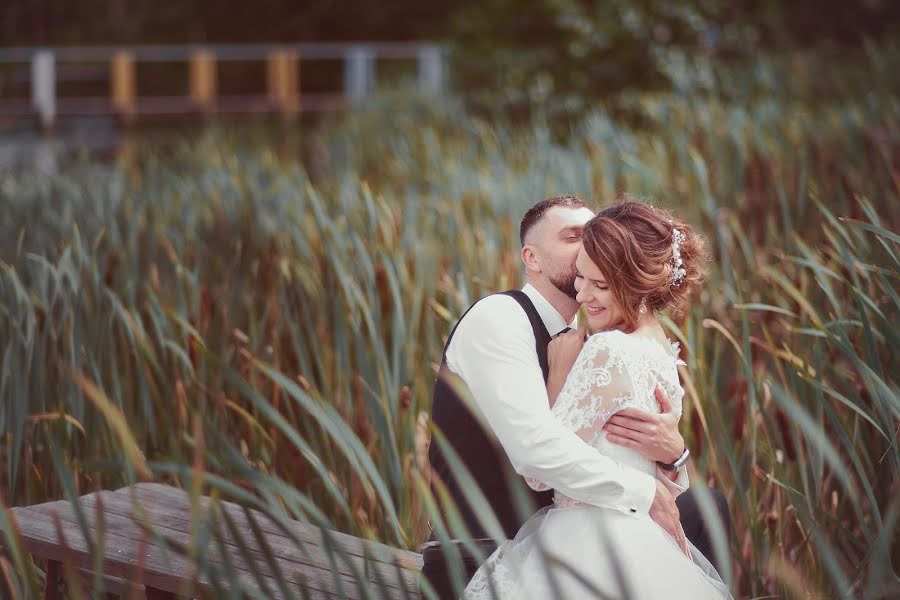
{"points": [[600, 306]]}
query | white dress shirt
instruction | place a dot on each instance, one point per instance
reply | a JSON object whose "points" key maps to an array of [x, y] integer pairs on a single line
{"points": [[493, 351]]}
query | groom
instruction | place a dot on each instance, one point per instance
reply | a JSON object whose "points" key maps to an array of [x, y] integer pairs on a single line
{"points": [[496, 358]]}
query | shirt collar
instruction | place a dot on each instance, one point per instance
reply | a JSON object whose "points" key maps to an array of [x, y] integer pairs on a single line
{"points": [[553, 321]]}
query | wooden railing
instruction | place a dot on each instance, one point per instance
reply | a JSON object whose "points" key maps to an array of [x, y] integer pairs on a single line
{"points": [[282, 64]]}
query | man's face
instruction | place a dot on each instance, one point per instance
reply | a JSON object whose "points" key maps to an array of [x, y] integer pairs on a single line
{"points": [[557, 239]]}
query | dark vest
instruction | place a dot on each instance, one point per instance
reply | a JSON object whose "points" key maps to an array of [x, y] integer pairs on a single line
{"points": [[477, 446]]}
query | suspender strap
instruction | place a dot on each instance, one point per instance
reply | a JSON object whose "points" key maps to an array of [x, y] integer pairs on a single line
{"points": [[541, 335]]}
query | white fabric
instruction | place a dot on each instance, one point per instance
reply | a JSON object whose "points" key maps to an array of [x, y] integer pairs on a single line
{"points": [[553, 321], [617, 555], [493, 352], [680, 484]]}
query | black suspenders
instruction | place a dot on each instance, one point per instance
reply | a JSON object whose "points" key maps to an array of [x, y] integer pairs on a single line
{"points": [[541, 335]]}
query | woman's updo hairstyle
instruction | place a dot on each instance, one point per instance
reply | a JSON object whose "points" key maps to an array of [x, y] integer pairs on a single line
{"points": [[632, 245]]}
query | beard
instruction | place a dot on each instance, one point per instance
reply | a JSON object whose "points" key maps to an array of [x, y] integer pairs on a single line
{"points": [[565, 282]]}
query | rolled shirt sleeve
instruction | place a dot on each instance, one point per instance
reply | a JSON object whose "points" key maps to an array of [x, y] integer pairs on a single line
{"points": [[493, 351]]}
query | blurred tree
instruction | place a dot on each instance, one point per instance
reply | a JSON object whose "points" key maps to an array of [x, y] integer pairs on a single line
{"points": [[558, 54], [53, 22], [561, 53], [576, 26]]}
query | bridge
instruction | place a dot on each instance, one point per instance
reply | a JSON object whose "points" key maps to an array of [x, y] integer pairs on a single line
{"points": [[47, 73]]}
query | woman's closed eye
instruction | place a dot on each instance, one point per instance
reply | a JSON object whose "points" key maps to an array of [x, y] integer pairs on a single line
{"points": [[600, 286]]}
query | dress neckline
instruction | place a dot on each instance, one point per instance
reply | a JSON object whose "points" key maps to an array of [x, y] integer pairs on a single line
{"points": [[673, 350]]}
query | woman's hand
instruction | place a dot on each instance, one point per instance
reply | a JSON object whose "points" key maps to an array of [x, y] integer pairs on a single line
{"points": [[561, 354], [563, 350]]}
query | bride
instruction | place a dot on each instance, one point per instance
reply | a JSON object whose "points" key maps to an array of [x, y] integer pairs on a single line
{"points": [[635, 261]]}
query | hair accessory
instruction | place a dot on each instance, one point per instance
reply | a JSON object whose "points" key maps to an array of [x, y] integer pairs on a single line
{"points": [[678, 270]]}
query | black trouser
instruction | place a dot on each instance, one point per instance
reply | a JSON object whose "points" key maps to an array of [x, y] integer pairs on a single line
{"points": [[435, 570], [695, 528]]}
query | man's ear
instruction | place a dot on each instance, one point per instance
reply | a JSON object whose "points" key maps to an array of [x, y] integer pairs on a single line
{"points": [[530, 259]]}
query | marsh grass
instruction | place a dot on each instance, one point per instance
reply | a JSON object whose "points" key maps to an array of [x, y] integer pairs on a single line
{"points": [[217, 317]]}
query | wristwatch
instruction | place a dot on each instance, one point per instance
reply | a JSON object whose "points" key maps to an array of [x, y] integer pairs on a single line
{"points": [[679, 462]]}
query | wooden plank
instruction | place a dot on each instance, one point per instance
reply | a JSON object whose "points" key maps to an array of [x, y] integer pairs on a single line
{"points": [[286, 549], [310, 534], [169, 508], [121, 555], [125, 557], [126, 528], [180, 500]]}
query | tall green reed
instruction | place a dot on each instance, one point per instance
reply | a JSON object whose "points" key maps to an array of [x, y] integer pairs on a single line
{"points": [[296, 316]]}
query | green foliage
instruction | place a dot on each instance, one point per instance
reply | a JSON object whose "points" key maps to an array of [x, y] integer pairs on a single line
{"points": [[557, 55], [295, 316]]}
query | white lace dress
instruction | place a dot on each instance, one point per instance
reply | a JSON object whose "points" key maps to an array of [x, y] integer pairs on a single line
{"points": [[572, 550]]}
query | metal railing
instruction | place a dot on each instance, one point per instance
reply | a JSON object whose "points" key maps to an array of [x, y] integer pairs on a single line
{"points": [[282, 70]]}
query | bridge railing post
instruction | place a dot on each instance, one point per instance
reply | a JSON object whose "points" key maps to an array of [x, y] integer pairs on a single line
{"points": [[431, 69], [123, 89], [43, 86], [359, 73], [283, 81], [203, 79]]}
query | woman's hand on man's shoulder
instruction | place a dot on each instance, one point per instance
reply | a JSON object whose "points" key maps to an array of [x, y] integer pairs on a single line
{"points": [[564, 349]]}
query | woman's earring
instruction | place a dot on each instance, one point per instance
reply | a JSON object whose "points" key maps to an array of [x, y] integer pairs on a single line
{"points": [[643, 308]]}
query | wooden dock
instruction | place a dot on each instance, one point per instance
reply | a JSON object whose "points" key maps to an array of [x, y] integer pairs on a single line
{"points": [[142, 538]]}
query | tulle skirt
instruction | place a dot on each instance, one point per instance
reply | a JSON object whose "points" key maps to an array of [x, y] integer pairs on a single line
{"points": [[588, 552]]}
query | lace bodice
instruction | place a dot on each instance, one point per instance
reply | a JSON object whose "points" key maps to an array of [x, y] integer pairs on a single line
{"points": [[615, 370]]}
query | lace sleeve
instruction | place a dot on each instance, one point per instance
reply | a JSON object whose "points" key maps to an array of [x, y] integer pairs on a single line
{"points": [[598, 385]]}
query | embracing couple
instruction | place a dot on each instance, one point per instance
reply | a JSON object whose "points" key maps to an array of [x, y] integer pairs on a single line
{"points": [[574, 440]]}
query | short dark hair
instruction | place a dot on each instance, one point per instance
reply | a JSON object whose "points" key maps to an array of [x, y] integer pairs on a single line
{"points": [[537, 212]]}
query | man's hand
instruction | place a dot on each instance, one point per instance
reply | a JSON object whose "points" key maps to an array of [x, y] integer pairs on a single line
{"points": [[665, 513], [655, 437]]}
